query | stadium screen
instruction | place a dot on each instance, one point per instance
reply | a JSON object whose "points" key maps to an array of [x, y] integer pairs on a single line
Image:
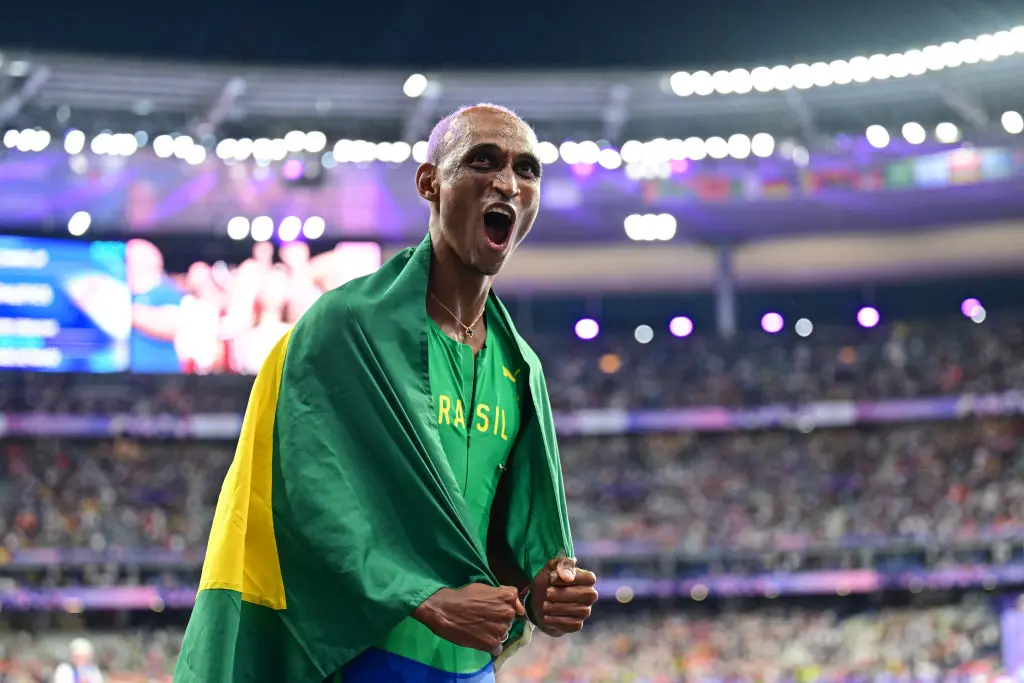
{"points": [[113, 307]]}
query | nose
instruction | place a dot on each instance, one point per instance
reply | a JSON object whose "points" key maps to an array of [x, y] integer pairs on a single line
{"points": [[505, 182]]}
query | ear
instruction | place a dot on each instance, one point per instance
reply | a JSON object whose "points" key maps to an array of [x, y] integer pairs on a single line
{"points": [[428, 182]]}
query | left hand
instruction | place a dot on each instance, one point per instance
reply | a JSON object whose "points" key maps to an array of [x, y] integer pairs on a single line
{"points": [[561, 596]]}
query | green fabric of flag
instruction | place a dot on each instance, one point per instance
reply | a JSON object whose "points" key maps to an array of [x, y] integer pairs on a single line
{"points": [[340, 514]]}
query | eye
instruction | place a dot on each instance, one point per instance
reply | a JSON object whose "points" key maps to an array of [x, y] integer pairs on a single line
{"points": [[528, 168], [480, 159]]}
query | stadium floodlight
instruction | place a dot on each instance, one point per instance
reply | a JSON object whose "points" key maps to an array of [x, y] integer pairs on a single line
{"points": [[569, 151], [643, 334], [1017, 38], [74, 141], [680, 326], [696, 149], [289, 228], [314, 227], [400, 152], [296, 140], [739, 146], [587, 328], [772, 322], [196, 155], [609, 159], [314, 142], [1012, 122], [262, 228], [723, 82], [803, 76], [898, 66], [79, 223], [782, 79], [860, 69], [681, 83], [717, 147], [419, 152], [821, 74], [804, 327], [969, 307], [238, 228], [547, 152], [840, 71], [914, 133], [650, 227], [969, 52], [225, 149], [762, 80], [934, 58], [947, 133], [917, 65], [415, 85], [868, 317], [762, 145], [880, 67], [878, 136], [588, 152], [101, 143], [703, 83], [742, 83]]}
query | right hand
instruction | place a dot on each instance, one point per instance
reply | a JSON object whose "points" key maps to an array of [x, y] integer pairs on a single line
{"points": [[477, 616]]}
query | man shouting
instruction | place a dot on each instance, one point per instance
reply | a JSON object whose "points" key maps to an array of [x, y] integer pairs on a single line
{"points": [[395, 509]]}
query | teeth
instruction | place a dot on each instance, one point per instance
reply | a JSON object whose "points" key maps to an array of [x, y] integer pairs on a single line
{"points": [[502, 211]]}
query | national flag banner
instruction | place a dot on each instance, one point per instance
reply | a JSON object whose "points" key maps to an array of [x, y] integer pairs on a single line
{"points": [[871, 180], [899, 175], [340, 513], [714, 188], [833, 179], [964, 166], [996, 164], [778, 188], [932, 171]]}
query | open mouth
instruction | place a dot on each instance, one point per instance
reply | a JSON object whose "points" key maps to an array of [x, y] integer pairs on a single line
{"points": [[498, 227]]}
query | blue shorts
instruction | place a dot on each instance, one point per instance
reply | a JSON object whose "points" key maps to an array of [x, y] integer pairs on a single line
{"points": [[380, 666]]}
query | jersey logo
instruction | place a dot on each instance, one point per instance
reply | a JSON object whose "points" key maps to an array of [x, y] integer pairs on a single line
{"points": [[509, 375]]}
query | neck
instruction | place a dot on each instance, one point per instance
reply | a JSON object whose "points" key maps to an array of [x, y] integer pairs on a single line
{"points": [[461, 288]]}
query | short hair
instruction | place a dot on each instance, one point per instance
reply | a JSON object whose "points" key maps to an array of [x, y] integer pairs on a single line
{"points": [[440, 137]]}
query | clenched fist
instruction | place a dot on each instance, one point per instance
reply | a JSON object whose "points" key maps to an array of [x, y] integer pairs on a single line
{"points": [[477, 616], [561, 596]]}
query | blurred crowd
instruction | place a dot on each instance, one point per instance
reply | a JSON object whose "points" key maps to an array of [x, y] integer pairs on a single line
{"points": [[765, 490], [901, 360], [779, 490], [947, 644], [929, 645]]}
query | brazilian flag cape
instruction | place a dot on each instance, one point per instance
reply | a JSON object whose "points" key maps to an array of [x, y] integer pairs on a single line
{"points": [[340, 514]]}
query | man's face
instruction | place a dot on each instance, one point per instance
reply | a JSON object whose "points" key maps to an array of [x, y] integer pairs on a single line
{"points": [[488, 187]]}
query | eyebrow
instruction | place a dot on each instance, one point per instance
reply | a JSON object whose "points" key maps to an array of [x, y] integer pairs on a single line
{"points": [[492, 147]]}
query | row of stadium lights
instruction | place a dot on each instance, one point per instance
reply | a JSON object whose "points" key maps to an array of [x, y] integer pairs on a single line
{"points": [[636, 155], [879, 67], [771, 323], [261, 228]]}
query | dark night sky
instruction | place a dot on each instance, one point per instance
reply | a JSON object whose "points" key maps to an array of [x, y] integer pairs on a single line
{"points": [[487, 34]]}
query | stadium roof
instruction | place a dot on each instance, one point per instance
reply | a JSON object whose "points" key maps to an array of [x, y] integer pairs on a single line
{"points": [[968, 82]]}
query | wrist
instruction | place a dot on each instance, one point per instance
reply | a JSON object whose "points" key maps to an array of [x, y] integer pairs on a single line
{"points": [[429, 612], [526, 597]]}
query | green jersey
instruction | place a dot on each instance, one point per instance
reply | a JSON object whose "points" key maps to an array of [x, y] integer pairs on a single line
{"points": [[476, 405]]}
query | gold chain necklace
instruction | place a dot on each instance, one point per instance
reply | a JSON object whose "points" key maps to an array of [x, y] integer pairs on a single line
{"points": [[467, 329]]}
